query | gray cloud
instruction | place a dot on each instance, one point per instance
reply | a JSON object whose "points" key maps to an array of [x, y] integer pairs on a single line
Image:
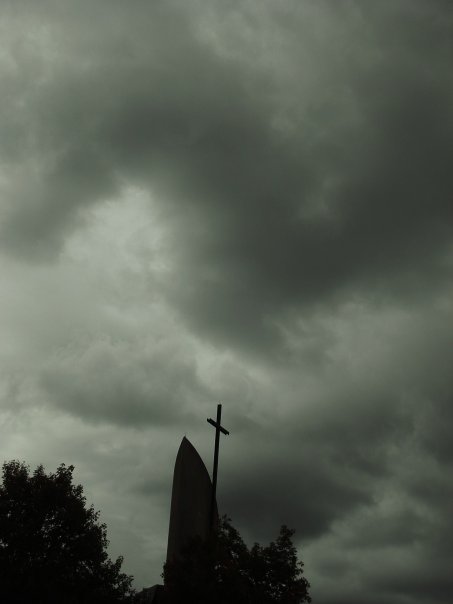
{"points": [[202, 131], [109, 381]]}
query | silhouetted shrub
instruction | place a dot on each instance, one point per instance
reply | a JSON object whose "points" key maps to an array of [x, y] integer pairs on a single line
{"points": [[223, 570]]}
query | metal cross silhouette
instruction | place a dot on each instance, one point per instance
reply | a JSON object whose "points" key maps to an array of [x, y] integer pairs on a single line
{"points": [[218, 429]]}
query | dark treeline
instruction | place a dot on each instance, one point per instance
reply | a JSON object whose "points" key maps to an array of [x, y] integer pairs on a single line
{"points": [[53, 549]]}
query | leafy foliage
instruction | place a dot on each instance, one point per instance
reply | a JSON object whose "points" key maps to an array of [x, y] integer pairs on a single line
{"points": [[223, 570], [52, 547]]}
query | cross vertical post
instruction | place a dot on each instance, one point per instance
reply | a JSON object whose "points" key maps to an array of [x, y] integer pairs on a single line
{"points": [[218, 428]]}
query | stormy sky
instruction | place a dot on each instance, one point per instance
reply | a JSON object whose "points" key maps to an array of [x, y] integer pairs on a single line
{"points": [[246, 202]]}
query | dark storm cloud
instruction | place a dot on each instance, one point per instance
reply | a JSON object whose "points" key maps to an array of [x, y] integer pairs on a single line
{"points": [[320, 467], [309, 492], [349, 191]]}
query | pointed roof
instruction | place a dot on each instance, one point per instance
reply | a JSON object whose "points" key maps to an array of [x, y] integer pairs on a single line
{"points": [[190, 499]]}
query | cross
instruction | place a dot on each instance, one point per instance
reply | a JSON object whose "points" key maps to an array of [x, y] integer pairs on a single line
{"points": [[218, 429]]}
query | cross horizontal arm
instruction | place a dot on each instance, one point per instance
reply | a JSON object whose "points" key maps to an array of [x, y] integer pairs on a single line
{"points": [[221, 428]]}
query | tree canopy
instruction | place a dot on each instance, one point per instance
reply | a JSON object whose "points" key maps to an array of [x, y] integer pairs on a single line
{"points": [[224, 570], [52, 546]]}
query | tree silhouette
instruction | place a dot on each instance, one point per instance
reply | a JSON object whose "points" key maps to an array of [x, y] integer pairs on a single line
{"points": [[223, 570], [52, 547]]}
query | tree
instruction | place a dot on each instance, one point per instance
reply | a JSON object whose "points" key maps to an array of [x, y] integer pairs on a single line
{"points": [[52, 547], [223, 570]]}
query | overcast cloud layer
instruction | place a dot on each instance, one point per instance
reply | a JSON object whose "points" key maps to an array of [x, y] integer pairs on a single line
{"points": [[248, 203]]}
